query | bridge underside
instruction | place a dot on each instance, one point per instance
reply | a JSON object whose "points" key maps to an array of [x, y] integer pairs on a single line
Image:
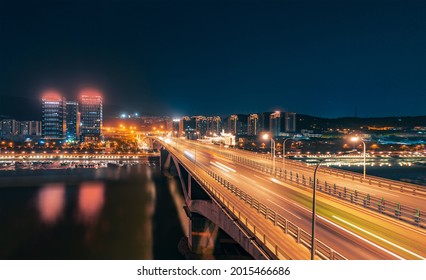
{"points": [[207, 217]]}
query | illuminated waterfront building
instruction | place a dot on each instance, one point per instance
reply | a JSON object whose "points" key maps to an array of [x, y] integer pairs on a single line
{"points": [[290, 122], [73, 121], [275, 123], [91, 115], [253, 124], [53, 116]]}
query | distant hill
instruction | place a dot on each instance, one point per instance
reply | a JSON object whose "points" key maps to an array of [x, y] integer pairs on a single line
{"points": [[311, 122]]}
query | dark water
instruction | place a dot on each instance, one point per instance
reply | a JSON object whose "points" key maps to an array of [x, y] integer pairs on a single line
{"points": [[107, 213], [415, 174]]}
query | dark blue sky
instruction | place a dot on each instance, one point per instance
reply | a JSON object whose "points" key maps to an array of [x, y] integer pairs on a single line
{"points": [[323, 58]]}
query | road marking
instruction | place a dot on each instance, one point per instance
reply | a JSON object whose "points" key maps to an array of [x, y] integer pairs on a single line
{"points": [[378, 237], [247, 178], [295, 204], [261, 178], [284, 209]]}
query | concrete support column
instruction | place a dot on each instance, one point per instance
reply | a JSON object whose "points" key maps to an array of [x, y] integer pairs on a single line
{"points": [[202, 235]]}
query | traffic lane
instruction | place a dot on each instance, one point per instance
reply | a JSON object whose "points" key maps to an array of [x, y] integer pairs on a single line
{"points": [[326, 232], [406, 199], [208, 154]]}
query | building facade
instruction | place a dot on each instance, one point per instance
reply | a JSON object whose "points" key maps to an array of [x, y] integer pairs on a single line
{"points": [[253, 124], [201, 125], [73, 121], [214, 125], [53, 116], [9, 127], [91, 115], [290, 122], [275, 124]]}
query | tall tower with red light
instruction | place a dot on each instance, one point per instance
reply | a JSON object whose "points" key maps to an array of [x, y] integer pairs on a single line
{"points": [[91, 115], [53, 115]]}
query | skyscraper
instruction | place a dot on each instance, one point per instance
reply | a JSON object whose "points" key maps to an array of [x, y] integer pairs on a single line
{"points": [[213, 125], [9, 127], [91, 115], [73, 121], [253, 124], [290, 122], [53, 115], [275, 123], [232, 124], [187, 128], [201, 125]]}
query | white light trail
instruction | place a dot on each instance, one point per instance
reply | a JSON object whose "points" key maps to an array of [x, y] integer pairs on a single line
{"points": [[380, 238], [220, 167], [224, 166]]}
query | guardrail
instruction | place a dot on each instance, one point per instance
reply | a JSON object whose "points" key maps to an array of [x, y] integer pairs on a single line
{"points": [[371, 180], [287, 227], [276, 219], [393, 209]]}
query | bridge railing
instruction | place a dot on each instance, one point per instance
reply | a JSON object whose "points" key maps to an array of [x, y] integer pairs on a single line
{"points": [[393, 209], [276, 219], [354, 176], [287, 227]]}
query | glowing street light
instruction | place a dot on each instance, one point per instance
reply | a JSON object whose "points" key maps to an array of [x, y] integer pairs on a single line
{"points": [[357, 139]]}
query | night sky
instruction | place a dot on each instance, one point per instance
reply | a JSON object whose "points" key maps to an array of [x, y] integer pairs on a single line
{"points": [[323, 58]]}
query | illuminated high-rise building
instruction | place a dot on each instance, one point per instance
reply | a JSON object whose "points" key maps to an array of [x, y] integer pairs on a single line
{"points": [[275, 123], [187, 128], [73, 121], [253, 124], [200, 125], [290, 122], [232, 124], [214, 125], [9, 127], [53, 116], [91, 115]]}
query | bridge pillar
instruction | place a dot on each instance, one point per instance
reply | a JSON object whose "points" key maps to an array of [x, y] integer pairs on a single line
{"points": [[203, 235], [164, 159]]}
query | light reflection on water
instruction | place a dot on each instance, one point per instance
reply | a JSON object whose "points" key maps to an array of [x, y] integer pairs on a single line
{"points": [[90, 201], [51, 202], [113, 213]]}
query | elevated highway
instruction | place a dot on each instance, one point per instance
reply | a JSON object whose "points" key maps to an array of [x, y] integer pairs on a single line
{"points": [[282, 200]]}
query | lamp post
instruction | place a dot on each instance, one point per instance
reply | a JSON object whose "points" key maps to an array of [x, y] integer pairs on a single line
{"points": [[266, 136], [357, 139], [314, 209], [284, 152]]}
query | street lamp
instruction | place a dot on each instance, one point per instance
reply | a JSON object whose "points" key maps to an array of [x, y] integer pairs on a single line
{"points": [[266, 136], [357, 139], [314, 209], [284, 152]]}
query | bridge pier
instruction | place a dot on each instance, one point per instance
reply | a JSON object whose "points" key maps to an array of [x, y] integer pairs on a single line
{"points": [[203, 235]]}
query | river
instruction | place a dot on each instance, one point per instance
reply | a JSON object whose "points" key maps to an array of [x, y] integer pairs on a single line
{"points": [[106, 213]]}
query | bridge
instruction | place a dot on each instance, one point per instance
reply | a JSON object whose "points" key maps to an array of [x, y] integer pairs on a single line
{"points": [[267, 207]]}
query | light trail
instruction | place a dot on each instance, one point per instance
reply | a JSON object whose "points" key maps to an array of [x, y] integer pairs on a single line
{"points": [[224, 166], [220, 167], [380, 238]]}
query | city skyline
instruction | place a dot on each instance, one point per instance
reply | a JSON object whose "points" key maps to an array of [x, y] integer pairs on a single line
{"points": [[330, 59]]}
